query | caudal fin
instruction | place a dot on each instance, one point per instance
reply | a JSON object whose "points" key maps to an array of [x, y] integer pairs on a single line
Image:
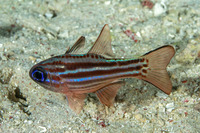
{"points": [[155, 72]]}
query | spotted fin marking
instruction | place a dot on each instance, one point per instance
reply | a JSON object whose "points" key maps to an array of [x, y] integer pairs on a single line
{"points": [[108, 93], [102, 46], [76, 102], [156, 73], [77, 47]]}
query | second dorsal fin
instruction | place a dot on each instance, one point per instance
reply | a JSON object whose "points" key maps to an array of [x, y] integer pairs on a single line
{"points": [[102, 46], [77, 47]]}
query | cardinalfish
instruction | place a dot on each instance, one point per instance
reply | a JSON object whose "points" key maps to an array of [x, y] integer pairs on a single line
{"points": [[98, 71]]}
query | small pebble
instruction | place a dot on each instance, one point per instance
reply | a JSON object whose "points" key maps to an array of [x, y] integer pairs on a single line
{"points": [[29, 122], [159, 9], [138, 116], [161, 95], [64, 34], [33, 59], [170, 107], [3, 58], [107, 3], [49, 15], [197, 107]]}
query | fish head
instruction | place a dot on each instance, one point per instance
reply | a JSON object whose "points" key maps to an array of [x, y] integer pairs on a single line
{"points": [[42, 74]]}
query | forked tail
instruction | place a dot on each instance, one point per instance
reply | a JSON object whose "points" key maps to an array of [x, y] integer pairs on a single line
{"points": [[155, 72]]}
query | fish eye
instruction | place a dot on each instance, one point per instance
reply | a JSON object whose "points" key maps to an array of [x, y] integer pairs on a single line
{"points": [[39, 74]]}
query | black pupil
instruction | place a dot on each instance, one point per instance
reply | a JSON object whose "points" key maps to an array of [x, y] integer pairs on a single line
{"points": [[38, 75]]}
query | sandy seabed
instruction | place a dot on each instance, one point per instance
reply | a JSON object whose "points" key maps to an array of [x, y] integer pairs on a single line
{"points": [[31, 31]]}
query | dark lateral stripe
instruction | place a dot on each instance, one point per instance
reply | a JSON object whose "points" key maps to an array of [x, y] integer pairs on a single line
{"points": [[128, 62], [87, 63], [84, 65], [86, 81], [55, 69], [75, 65], [92, 83], [64, 59], [99, 72], [144, 71]]}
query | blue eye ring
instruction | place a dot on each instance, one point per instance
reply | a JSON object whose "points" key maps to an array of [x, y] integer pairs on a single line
{"points": [[39, 74]]}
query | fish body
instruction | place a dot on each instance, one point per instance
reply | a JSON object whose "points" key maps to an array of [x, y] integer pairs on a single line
{"points": [[83, 73], [99, 72]]}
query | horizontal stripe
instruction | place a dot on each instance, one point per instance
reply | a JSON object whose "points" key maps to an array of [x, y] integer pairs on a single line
{"points": [[86, 62], [86, 83], [102, 76], [95, 68], [98, 72], [88, 71]]}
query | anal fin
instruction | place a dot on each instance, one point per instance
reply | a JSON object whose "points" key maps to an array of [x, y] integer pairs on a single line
{"points": [[76, 102], [108, 93]]}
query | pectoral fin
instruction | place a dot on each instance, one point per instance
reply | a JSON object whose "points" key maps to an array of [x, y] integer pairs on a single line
{"points": [[108, 93], [76, 102], [77, 47]]}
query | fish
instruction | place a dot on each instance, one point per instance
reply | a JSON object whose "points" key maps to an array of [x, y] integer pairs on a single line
{"points": [[75, 73]]}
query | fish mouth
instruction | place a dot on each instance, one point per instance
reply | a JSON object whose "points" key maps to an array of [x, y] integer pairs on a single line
{"points": [[30, 72]]}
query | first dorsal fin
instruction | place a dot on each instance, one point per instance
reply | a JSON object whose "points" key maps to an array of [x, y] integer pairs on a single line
{"points": [[77, 47], [102, 46], [108, 93]]}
